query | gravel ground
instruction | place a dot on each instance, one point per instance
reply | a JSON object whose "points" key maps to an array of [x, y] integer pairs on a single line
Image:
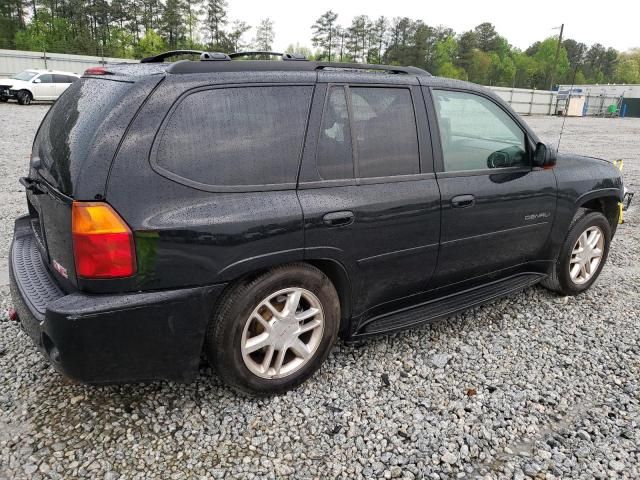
{"points": [[531, 386]]}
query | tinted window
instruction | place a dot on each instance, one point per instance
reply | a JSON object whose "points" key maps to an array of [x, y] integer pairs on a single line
{"points": [[334, 158], [67, 133], [61, 79], [46, 78], [477, 134], [237, 136], [385, 131]]}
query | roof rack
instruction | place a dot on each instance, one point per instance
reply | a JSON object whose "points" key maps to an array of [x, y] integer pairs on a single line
{"points": [[215, 57], [371, 66], [219, 62], [171, 53], [285, 56]]}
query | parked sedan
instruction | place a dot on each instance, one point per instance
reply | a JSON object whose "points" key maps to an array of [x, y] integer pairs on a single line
{"points": [[35, 85]]}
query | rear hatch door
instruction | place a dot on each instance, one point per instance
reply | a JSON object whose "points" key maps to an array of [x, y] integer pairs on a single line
{"points": [[71, 158]]}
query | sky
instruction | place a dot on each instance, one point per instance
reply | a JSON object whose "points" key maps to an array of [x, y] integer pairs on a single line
{"points": [[614, 23]]}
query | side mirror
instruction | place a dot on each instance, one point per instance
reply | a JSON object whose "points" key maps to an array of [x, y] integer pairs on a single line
{"points": [[37, 80], [544, 156]]}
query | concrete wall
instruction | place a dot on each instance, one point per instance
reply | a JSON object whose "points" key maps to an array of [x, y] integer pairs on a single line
{"points": [[15, 61]]}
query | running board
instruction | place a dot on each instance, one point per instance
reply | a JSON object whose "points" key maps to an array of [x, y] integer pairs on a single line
{"points": [[446, 306]]}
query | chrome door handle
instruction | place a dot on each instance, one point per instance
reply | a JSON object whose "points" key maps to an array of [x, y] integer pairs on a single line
{"points": [[462, 201], [338, 219]]}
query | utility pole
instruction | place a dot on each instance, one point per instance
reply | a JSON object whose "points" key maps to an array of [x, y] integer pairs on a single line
{"points": [[555, 60]]}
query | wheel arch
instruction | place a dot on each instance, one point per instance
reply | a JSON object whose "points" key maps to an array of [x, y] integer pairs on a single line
{"points": [[603, 202], [337, 273], [333, 269]]}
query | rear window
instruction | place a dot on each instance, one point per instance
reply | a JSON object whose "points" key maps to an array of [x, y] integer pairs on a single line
{"points": [[236, 137], [385, 130], [67, 132]]}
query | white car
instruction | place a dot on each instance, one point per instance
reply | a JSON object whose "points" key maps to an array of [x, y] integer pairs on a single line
{"points": [[35, 85]]}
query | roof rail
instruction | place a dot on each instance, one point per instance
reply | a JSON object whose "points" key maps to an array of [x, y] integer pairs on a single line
{"points": [[171, 53], [285, 56], [370, 66]]}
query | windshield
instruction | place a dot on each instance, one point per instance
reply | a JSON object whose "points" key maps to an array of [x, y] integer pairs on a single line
{"points": [[25, 76]]}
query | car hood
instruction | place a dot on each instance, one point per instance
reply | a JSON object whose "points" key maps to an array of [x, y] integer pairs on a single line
{"points": [[8, 82]]}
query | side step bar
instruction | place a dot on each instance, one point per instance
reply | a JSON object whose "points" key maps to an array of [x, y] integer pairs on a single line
{"points": [[445, 306]]}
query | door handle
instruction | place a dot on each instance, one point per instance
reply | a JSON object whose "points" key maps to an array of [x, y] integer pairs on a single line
{"points": [[338, 219], [462, 201]]}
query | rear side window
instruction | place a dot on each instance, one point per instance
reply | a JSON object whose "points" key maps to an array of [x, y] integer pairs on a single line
{"points": [[62, 79], [385, 130], [245, 136], [334, 158]]}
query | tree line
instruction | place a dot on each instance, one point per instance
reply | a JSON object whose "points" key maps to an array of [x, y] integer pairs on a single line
{"points": [[138, 28]]}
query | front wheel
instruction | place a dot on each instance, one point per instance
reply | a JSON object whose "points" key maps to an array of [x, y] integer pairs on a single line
{"points": [[271, 333], [24, 97], [582, 255]]}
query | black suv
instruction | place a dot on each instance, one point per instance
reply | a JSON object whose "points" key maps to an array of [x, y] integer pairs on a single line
{"points": [[256, 210]]}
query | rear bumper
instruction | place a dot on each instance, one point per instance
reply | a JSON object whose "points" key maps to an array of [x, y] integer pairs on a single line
{"points": [[108, 338]]}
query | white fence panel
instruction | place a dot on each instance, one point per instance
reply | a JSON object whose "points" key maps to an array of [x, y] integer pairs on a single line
{"points": [[528, 101], [15, 61]]}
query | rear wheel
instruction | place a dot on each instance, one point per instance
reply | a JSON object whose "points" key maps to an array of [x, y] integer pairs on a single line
{"points": [[24, 97], [582, 255], [273, 332]]}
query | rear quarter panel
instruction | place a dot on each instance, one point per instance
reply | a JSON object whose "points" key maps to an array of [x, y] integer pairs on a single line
{"points": [[186, 236]]}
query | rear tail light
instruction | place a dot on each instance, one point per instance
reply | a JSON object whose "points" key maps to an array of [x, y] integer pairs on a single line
{"points": [[97, 71], [103, 245]]}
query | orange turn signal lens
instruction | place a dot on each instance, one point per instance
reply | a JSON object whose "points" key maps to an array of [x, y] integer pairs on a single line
{"points": [[103, 245]]}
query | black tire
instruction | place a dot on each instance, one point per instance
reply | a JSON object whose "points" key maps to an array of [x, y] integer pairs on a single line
{"points": [[559, 279], [224, 334], [24, 97], [4, 99]]}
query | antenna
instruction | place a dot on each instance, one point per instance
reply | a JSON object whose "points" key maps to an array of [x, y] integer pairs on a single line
{"points": [[573, 82]]}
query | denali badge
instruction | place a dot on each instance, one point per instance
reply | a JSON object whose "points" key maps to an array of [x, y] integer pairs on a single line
{"points": [[535, 216], [60, 269]]}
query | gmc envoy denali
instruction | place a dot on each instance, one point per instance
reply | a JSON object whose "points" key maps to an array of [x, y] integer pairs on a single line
{"points": [[256, 210]]}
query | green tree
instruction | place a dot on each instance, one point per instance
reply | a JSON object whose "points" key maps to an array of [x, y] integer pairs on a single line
{"points": [[324, 33], [628, 68], [238, 29], [548, 66], [173, 26], [150, 44], [264, 35], [215, 13]]}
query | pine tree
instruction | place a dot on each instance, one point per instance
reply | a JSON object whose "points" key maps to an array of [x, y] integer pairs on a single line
{"points": [[325, 32], [238, 29], [215, 19], [264, 35]]}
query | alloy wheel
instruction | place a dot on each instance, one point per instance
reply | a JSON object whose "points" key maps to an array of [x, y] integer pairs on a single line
{"points": [[586, 255], [282, 333]]}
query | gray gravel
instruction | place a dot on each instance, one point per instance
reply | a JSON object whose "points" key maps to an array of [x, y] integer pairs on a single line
{"points": [[532, 386]]}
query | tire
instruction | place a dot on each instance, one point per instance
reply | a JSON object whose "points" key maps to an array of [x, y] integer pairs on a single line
{"points": [[560, 279], [235, 331], [24, 97], [4, 99]]}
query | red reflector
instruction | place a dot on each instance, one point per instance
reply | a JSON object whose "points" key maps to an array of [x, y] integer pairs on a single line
{"points": [[103, 245], [96, 71], [12, 314]]}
